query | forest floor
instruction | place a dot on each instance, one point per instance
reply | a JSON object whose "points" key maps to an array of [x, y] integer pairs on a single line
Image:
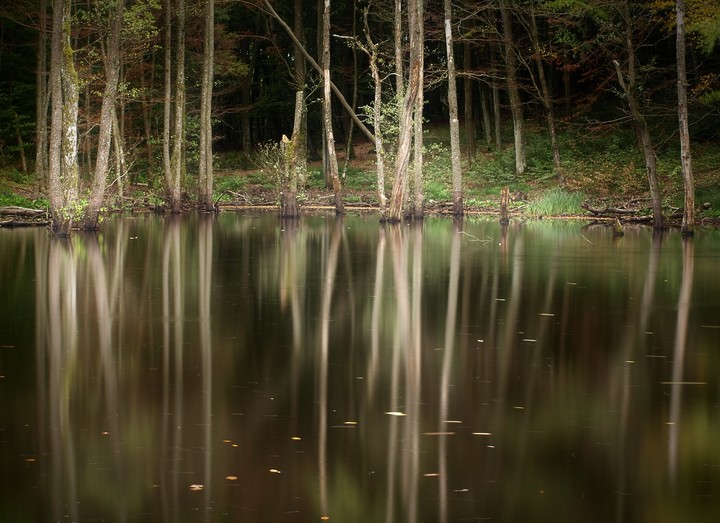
{"points": [[586, 194], [607, 183]]}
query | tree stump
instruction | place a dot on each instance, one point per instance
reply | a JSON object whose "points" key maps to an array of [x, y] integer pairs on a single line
{"points": [[504, 201]]}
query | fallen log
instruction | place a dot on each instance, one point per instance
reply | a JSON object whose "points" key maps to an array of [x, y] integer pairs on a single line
{"points": [[13, 210]]}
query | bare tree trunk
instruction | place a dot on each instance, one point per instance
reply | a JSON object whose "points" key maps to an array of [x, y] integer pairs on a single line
{"points": [[513, 90], [107, 110], [418, 183], [399, 73], [468, 106], [327, 110], [397, 197], [496, 99], [167, 105], [147, 121], [174, 177], [485, 109], [55, 194], [688, 223], [629, 87], [299, 137], [205, 174], [41, 102], [453, 107], [545, 97], [349, 149], [372, 51]]}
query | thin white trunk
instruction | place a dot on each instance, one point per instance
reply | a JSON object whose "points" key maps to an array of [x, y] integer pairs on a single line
{"points": [[454, 121]]}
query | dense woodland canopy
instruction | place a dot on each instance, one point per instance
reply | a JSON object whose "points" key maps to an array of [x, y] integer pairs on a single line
{"points": [[99, 94]]}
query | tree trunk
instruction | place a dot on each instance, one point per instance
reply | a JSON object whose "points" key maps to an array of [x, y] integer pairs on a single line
{"points": [[372, 52], [71, 94], [167, 105], [343, 102], [174, 177], [485, 109], [453, 108], [496, 99], [107, 110], [399, 73], [41, 102], [55, 194], [629, 87], [688, 223], [406, 117], [418, 183], [468, 108], [327, 110], [545, 97], [299, 136], [205, 174], [513, 90]]}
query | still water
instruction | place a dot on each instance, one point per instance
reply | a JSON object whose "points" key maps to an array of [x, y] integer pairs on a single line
{"points": [[237, 368]]}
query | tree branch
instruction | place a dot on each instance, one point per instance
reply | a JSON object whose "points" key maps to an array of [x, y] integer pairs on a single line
{"points": [[315, 66]]}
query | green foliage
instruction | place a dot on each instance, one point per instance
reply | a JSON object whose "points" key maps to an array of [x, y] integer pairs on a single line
{"points": [[557, 202], [709, 200], [9, 198]]}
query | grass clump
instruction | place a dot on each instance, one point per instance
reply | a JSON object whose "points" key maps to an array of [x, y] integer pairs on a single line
{"points": [[556, 202]]}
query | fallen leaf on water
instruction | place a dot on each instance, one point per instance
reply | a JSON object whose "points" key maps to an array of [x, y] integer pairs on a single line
{"points": [[275, 471], [296, 438], [324, 518], [395, 413], [196, 487], [231, 478]]}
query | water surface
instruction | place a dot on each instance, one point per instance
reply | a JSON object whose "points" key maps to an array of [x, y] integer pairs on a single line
{"points": [[239, 368]]}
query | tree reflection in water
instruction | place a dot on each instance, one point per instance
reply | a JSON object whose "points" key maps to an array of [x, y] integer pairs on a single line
{"points": [[238, 367]]}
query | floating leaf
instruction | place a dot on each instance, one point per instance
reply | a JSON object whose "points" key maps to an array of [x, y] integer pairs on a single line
{"points": [[195, 486], [231, 478], [395, 413]]}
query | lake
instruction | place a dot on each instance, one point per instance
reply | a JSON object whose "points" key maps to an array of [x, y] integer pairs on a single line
{"points": [[240, 368]]}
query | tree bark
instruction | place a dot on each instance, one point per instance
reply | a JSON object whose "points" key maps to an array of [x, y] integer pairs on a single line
{"points": [[397, 196], [55, 194], [398, 35], [327, 110], [372, 52], [513, 90], [496, 100], [468, 106], [205, 174], [167, 105], [174, 177], [102, 160], [418, 174], [299, 136], [629, 87], [688, 222], [454, 121], [41, 102]]}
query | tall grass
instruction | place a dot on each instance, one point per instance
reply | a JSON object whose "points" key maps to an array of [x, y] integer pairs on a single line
{"points": [[556, 202]]}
